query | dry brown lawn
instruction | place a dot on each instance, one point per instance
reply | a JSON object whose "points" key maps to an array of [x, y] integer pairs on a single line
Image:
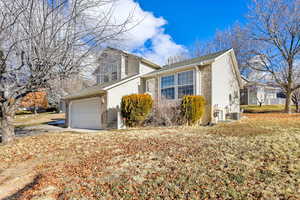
{"points": [[256, 158], [36, 119]]}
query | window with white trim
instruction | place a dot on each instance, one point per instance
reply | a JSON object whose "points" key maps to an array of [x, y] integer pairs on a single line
{"points": [[177, 85], [168, 87], [109, 72], [185, 83]]}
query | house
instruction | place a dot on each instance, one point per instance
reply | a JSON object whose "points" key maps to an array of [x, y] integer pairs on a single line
{"points": [[214, 76], [255, 93]]}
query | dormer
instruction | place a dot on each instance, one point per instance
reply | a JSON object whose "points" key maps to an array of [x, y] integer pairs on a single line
{"points": [[115, 65]]}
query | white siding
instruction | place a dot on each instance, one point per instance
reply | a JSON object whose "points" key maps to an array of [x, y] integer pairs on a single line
{"points": [[144, 69], [197, 81], [224, 85], [114, 96], [133, 66]]}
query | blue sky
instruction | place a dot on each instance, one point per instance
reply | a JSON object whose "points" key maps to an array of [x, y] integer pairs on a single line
{"points": [[190, 20], [168, 28]]}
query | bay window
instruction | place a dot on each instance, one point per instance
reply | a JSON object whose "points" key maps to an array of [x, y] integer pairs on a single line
{"points": [[177, 85]]}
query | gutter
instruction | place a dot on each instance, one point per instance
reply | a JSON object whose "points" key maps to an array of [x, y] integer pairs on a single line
{"points": [[122, 81], [202, 63], [83, 95], [143, 60]]}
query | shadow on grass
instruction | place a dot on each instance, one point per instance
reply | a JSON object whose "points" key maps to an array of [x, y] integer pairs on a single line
{"points": [[26, 188], [59, 122]]}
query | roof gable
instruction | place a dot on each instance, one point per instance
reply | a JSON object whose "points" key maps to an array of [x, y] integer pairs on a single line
{"points": [[197, 60], [209, 58], [148, 62]]}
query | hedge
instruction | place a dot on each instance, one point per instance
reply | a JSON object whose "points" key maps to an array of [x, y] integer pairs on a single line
{"points": [[135, 108], [192, 108]]}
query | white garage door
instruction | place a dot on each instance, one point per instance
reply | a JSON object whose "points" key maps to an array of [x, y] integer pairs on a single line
{"points": [[85, 114]]}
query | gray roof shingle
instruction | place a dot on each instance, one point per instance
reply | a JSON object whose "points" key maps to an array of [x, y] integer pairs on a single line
{"points": [[191, 61], [97, 89]]}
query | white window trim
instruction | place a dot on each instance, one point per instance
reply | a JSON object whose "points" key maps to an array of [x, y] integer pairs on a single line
{"points": [[176, 86], [168, 87]]}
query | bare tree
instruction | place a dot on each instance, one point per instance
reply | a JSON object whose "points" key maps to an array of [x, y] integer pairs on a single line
{"points": [[260, 99], [42, 40], [199, 49], [296, 99], [274, 27], [235, 37], [177, 58], [60, 88]]}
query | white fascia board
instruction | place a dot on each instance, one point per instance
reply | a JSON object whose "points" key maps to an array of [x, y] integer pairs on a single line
{"points": [[122, 82], [203, 63]]}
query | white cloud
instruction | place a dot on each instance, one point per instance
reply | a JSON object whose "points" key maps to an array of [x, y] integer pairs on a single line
{"points": [[149, 29], [163, 47], [146, 35]]}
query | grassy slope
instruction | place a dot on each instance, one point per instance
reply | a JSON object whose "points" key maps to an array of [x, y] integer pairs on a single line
{"points": [[32, 119], [257, 158], [264, 108]]}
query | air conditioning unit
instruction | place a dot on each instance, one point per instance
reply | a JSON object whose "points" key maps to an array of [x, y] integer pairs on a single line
{"points": [[235, 116]]}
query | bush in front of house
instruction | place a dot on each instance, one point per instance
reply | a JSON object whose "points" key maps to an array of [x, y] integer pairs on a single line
{"points": [[192, 109], [135, 108], [165, 113]]}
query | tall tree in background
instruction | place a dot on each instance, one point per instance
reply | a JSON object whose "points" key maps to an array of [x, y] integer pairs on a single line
{"points": [[42, 40], [235, 37], [274, 27], [35, 101], [296, 99]]}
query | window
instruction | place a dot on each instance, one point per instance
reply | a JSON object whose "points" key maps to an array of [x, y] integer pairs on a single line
{"points": [[185, 84], [168, 93], [178, 85], [185, 78], [113, 71], [109, 72], [167, 81], [167, 87], [185, 90], [114, 76], [105, 78]]}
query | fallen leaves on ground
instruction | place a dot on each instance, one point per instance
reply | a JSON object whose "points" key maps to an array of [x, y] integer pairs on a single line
{"points": [[255, 158]]}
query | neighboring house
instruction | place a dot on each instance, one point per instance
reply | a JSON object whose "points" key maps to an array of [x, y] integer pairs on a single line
{"points": [[214, 76], [255, 93]]}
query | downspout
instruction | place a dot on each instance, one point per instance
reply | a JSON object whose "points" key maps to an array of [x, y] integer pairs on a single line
{"points": [[69, 114], [158, 89], [197, 80]]}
